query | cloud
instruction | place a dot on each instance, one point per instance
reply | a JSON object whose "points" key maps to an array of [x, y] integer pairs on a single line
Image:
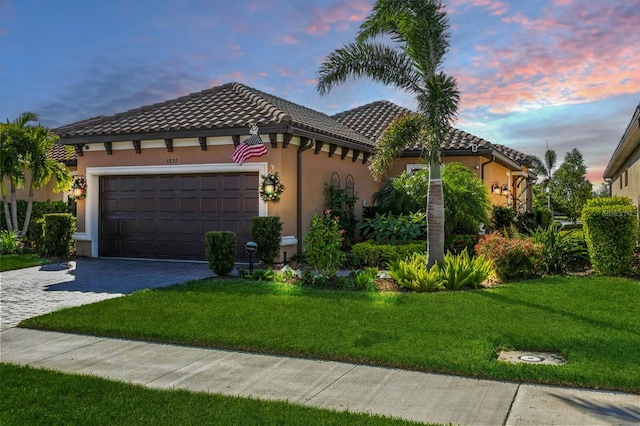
{"points": [[337, 16], [584, 52]]}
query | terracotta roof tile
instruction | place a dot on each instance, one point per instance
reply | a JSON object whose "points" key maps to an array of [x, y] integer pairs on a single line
{"points": [[231, 105], [62, 153]]}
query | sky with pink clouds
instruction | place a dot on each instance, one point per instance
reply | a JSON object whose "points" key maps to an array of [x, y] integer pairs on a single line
{"points": [[566, 72]]}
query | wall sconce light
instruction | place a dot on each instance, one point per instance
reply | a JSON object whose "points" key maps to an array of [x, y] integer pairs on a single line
{"points": [[268, 186], [79, 187], [505, 190], [495, 188]]}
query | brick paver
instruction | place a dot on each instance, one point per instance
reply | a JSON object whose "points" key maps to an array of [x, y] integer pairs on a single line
{"points": [[35, 291]]}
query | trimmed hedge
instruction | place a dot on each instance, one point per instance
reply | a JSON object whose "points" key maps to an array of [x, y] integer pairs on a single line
{"points": [[38, 210], [266, 231], [220, 251], [372, 254], [57, 234], [610, 230]]}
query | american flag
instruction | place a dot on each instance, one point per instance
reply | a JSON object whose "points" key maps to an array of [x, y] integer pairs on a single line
{"points": [[251, 147]]}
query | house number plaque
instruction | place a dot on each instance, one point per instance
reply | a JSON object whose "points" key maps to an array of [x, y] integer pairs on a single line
{"points": [[172, 161]]}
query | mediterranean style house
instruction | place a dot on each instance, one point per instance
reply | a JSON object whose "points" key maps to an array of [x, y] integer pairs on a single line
{"points": [[623, 170], [159, 177]]}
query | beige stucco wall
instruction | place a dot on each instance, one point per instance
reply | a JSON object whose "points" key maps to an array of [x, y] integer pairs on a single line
{"points": [[187, 157], [45, 193], [630, 187]]}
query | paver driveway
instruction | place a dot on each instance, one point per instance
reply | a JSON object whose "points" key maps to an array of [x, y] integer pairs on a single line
{"points": [[28, 292]]}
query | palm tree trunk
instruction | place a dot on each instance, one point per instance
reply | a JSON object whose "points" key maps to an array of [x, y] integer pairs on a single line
{"points": [[7, 214], [14, 208], [435, 215], [27, 215]]}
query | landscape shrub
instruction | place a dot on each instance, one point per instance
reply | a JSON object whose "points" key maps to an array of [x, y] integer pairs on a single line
{"points": [[561, 250], [513, 258], [413, 273], [372, 254], [501, 217], [390, 229], [610, 231], [38, 209], [463, 270], [220, 247], [342, 205], [366, 280], [457, 243], [266, 231], [9, 242], [323, 244], [57, 234]]}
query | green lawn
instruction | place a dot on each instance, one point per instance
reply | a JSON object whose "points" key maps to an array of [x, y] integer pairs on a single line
{"points": [[594, 322], [39, 397], [9, 262]]}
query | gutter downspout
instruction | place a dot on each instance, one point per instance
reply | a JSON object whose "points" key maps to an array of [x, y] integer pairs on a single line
{"points": [[493, 158], [305, 144]]}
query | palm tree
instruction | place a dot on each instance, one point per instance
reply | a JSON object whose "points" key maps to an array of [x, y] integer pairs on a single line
{"points": [[418, 31], [546, 170], [39, 141]]}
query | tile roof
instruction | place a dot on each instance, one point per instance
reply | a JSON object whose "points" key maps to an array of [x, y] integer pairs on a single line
{"points": [[232, 105], [62, 153], [517, 156], [374, 118]]}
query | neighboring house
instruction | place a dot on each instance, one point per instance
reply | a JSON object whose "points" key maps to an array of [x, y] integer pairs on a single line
{"points": [[59, 153], [623, 170], [161, 176]]}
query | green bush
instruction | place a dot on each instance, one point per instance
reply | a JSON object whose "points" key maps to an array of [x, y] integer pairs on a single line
{"points": [[610, 230], [413, 273], [372, 254], [457, 243], [562, 250], [501, 217], [57, 234], [9, 242], [38, 209], [323, 244], [462, 270], [266, 231], [342, 205], [220, 251], [390, 229], [513, 258], [366, 280], [35, 235]]}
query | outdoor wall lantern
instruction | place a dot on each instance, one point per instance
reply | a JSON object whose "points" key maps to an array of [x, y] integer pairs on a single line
{"points": [[79, 187], [268, 186], [495, 188], [505, 190]]}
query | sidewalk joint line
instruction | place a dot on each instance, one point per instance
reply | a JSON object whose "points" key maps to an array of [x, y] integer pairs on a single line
{"points": [[307, 400], [515, 395]]}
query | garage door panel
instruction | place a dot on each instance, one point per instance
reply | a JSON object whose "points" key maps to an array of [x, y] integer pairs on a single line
{"points": [[167, 216]]}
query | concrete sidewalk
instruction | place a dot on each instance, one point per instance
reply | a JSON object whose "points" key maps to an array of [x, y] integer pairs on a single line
{"points": [[341, 386]]}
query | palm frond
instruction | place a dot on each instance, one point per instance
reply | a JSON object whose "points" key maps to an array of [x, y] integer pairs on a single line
{"points": [[376, 61]]}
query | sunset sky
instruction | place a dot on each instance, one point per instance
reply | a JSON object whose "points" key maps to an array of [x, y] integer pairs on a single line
{"points": [[566, 72]]}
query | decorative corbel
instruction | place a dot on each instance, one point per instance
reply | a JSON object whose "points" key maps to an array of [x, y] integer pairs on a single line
{"points": [[169, 144], [78, 149], [319, 145], [108, 146], [332, 149], [356, 154], [273, 137], [365, 157], [345, 152], [236, 140], [286, 138], [136, 146], [203, 143]]}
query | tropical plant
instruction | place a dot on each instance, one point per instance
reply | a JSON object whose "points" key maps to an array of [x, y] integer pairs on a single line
{"points": [[370, 253], [390, 229], [418, 31], [560, 250], [342, 205], [463, 270], [366, 280], [9, 242], [413, 273], [545, 169], [24, 149], [323, 244]]}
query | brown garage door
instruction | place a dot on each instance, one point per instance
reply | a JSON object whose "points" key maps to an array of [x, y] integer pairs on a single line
{"points": [[167, 216]]}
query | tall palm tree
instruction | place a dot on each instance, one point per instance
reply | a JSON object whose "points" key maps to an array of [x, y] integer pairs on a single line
{"points": [[412, 61], [546, 170]]}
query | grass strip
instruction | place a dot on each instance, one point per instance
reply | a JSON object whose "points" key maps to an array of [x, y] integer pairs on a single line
{"points": [[10, 262], [41, 397], [593, 321]]}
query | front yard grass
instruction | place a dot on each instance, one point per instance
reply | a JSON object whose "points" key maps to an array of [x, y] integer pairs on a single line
{"points": [[29, 396], [10, 262], [593, 321]]}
